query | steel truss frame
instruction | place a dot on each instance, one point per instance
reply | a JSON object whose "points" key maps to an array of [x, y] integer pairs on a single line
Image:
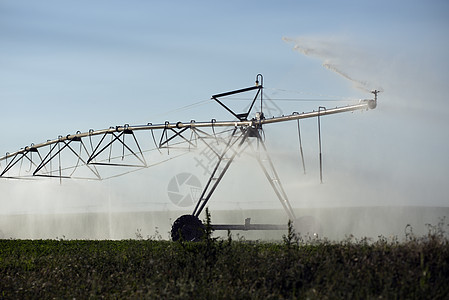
{"points": [[244, 133], [233, 147], [12, 159]]}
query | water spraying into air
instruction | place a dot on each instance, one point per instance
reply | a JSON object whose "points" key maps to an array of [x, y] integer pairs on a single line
{"points": [[335, 58]]}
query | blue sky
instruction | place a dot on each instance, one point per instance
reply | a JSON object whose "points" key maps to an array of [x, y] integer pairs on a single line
{"points": [[75, 65], [91, 57]]}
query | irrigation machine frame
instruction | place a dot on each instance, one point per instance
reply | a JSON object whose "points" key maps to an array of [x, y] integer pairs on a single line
{"points": [[244, 134]]}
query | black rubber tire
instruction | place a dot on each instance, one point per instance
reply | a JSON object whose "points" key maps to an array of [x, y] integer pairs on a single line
{"points": [[189, 227]]}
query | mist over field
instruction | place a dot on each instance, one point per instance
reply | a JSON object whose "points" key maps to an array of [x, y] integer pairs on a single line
{"points": [[383, 169]]}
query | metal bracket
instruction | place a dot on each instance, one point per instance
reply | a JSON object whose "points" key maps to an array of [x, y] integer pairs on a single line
{"points": [[242, 116]]}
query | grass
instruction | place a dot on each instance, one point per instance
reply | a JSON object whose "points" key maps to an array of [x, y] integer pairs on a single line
{"points": [[416, 268]]}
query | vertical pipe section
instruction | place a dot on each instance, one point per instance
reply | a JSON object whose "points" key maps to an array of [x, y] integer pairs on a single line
{"points": [[300, 148], [319, 142]]}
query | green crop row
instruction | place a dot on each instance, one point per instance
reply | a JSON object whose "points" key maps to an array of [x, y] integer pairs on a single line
{"points": [[417, 268]]}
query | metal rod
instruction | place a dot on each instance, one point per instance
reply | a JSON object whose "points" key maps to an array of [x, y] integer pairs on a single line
{"points": [[209, 190], [82, 160], [254, 101], [113, 139], [45, 161], [12, 163], [174, 136], [300, 147], [249, 227], [274, 180], [228, 109], [236, 92], [261, 84], [363, 105], [319, 141]]}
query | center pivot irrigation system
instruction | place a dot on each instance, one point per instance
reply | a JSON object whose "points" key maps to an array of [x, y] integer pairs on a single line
{"points": [[91, 155]]}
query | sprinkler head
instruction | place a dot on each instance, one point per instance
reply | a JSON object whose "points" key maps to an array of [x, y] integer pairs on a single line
{"points": [[372, 104]]}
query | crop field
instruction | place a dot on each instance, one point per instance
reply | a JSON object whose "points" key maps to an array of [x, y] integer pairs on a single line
{"points": [[294, 268]]}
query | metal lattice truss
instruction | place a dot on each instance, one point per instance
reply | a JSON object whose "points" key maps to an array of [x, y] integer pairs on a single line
{"points": [[107, 153], [121, 146]]}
